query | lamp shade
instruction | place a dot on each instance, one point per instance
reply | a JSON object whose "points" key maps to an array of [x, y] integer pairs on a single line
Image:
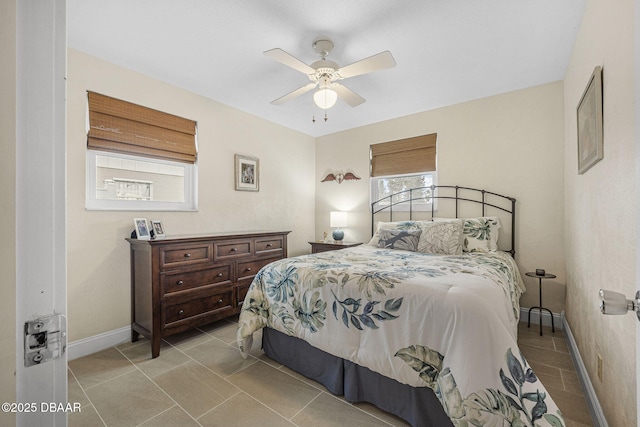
{"points": [[338, 219], [325, 98]]}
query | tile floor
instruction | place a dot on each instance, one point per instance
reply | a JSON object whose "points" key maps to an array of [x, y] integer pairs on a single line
{"points": [[549, 357], [200, 380]]}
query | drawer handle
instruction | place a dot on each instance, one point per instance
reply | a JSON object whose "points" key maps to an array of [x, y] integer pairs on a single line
{"points": [[248, 269], [234, 250], [220, 274], [187, 255], [181, 312], [269, 245], [221, 301], [179, 283]]}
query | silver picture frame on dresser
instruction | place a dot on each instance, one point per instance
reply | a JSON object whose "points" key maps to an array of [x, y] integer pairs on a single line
{"points": [[158, 229], [142, 228]]}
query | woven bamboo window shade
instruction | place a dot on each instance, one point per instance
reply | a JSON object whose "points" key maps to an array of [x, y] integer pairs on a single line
{"points": [[417, 154], [123, 127]]}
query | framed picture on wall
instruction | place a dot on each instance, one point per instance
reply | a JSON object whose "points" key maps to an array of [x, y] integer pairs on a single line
{"points": [[590, 134], [158, 229], [247, 171], [142, 228]]}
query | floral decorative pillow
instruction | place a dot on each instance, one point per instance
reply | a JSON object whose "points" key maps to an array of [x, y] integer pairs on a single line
{"points": [[441, 237], [480, 234], [397, 225], [399, 239]]}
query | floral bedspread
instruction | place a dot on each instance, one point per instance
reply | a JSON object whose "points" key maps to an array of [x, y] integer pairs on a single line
{"points": [[444, 322]]}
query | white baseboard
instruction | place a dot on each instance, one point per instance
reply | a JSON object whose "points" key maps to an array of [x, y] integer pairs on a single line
{"points": [[546, 317], [592, 400], [96, 343]]}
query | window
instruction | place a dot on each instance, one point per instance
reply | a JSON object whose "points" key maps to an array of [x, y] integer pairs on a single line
{"points": [[400, 186], [139, 158], [400, 166], [118, 181]]}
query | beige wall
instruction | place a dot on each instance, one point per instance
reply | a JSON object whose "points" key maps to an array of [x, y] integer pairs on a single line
{"points": [[8, 207], [600, 207], [98, 257], [510, 144]]}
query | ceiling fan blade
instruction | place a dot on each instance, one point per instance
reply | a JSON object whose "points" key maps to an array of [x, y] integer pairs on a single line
{"points": [[380, 61], [289, 60], [347, 95], [288, 97]]}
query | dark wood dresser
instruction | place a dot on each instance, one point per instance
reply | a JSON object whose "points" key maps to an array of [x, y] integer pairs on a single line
{"points": [[182, 282]]}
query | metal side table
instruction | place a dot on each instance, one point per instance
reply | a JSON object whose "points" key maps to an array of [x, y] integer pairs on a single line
{"points": [[541, 308]]}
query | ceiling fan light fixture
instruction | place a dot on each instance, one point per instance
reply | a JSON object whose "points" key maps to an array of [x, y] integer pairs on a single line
{"points": [[325, 75], [325, 98]]}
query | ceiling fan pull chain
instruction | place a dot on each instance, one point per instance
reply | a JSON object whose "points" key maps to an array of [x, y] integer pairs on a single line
{"points": [[313, 115]]}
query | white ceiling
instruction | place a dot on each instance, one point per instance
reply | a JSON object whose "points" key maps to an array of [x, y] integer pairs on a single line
{"points": [[447, 51]]}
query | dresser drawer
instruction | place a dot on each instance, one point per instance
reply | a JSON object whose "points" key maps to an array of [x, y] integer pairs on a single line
{"points": [[250, 268], [238, 248], [182, 255], [201, 305], [270, 246], [176, 282]]}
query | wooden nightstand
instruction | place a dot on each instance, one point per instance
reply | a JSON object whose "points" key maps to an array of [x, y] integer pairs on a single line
{"points": [[333, 246]]}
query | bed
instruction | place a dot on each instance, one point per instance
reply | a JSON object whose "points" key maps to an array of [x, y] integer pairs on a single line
{"points": [[421, 321]]}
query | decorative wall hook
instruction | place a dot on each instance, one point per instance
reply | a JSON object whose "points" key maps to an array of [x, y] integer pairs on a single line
{"points": [[340, 177]]}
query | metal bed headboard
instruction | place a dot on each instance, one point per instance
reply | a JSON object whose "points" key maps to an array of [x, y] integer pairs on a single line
{"points": [[387, 204]]}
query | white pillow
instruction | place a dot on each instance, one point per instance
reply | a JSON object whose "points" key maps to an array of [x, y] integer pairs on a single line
{"points": [[480, 234], [442, 237]]}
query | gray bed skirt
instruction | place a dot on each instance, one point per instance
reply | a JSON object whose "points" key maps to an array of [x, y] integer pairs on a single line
{"points": [[419, 406]]}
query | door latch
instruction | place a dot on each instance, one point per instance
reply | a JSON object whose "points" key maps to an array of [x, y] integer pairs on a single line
{"points": [[45, 339], [617, 303]]}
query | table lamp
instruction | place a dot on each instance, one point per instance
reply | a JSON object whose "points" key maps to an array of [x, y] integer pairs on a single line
{"points": [[338, 220]]}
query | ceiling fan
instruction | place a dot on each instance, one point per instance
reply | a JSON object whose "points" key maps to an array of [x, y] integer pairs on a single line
{"points": [[326, 74]]}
